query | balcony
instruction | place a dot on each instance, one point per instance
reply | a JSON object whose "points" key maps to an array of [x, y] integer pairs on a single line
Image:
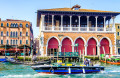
{"points": [[76, 29]]}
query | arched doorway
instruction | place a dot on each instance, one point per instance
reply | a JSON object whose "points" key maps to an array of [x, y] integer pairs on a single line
{"points": [[52, 46], [92, 49], [80, 45], [104, 46], [66, 45]]}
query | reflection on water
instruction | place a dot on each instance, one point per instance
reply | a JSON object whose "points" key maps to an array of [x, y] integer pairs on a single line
{"points": [[8, 70]]}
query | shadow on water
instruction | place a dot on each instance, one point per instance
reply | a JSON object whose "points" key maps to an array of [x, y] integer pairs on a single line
{"points": [[8, 70]]}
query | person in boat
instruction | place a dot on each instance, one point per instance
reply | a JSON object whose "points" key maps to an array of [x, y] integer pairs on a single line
{"points": [[16, 54], [86, 62], [34, 58]]}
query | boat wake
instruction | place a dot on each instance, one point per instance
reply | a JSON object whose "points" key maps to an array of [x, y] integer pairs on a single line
{"points": [[29, 76]]}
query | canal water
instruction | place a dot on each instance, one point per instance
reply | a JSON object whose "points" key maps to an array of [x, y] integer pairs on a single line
{"points": [[8, 70]]}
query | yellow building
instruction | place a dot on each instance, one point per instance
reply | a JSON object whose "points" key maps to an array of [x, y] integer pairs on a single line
{"points": [[117, 26]]}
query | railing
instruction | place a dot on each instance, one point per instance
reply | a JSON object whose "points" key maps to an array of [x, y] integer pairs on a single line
{"points": [[68, 54], [92, 28], [108, 29], [66, 28], [100, 28], [83, 28], [75, 29]]}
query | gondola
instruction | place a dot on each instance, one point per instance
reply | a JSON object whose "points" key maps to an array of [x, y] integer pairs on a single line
{"points": [[13, 61], [49, 69]]}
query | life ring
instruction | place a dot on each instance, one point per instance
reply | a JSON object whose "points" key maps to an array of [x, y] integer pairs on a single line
{"points": [[51, 70]]}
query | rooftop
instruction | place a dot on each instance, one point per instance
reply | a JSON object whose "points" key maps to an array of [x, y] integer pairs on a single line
{"points": [[73, 9]]}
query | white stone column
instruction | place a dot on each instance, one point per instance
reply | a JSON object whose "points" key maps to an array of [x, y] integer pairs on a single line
{"points": [[111, 49], [52, 22], [96, 17], [43, 22], [113, 26], [88, 23], [104, 23], [61, 22], [85, 50], [70, 23], [60, 48], [72, 48], [79, 22], [98, 50]]}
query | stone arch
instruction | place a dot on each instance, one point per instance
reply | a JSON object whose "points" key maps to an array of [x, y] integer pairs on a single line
{"points": [[66, 45], [81, 44], [92, 48]]}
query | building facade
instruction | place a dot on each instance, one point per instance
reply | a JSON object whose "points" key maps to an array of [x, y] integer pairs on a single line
{"points": [[117, 26], [15, 32], [36, 45], [62, 28]]}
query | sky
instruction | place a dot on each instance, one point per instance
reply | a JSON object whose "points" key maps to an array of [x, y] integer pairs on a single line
{"points": [[26, 9]]}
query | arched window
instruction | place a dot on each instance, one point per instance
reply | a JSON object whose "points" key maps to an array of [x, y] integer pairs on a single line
{"points": [[26, 41], [1, 24], [20, 41], [1, 33], [11, 42], [16, 34], [11, 25], [16, 25], [26, 33], [16, 42], [1, 41], [7, 33], [20, 25], [26, 25], [7, 42], [118, 27], [11, 34], [20, 33], [7, 24]]}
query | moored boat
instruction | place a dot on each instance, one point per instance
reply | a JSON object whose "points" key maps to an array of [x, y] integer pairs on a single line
{"points": [[111, 59], [48, 69]]}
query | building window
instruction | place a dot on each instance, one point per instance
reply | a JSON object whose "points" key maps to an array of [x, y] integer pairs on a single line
{"points": [[26, 41], [118, 33], [1, 41], [26, 33], [7, 24], [16, 42], [11, 42], [13, 34], [16, 34], [20, 25], [20, 33], [118, 50], [1, 33], [11, 25], [118, 27], [7, 33], [1, 24], [7, 42], [16, 25], [26, 25], [20, 41]]}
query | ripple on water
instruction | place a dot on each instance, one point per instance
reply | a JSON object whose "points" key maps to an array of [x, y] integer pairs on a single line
{"points": [[8, 70]]}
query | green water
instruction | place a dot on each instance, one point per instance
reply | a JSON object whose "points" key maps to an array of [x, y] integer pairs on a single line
{"points": [[8, 70]]}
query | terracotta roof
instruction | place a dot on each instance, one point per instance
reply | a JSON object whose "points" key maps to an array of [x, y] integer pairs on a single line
{"points": [[80, 10]]}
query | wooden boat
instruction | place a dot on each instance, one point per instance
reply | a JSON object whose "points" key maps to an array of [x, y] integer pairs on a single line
{"points": [[48, 69], [3, 60], [110, 62], [112, 59], [13, 61]]}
